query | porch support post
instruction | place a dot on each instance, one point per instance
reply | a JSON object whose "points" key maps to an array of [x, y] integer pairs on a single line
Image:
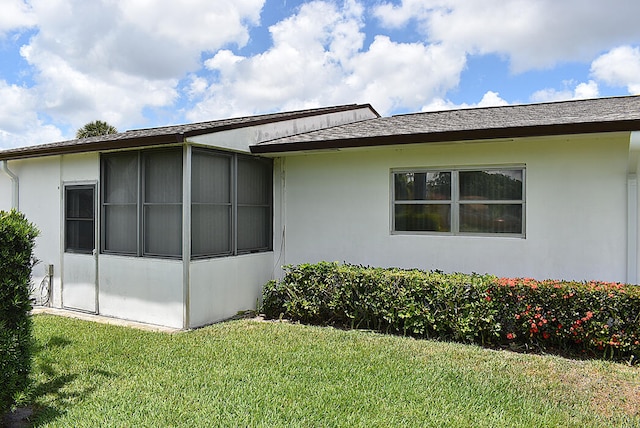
{"points": [[186, 235]]}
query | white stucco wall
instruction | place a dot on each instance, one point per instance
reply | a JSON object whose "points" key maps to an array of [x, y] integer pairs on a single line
{"points": [[39, 200], [141, 289], [223, 286], [338, 209], [5, 192]]}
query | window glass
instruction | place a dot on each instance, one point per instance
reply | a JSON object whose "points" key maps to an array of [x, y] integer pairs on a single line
{"points": [[491, 218], [497, 185], [423, 218], [424, 186], [79, 219]]}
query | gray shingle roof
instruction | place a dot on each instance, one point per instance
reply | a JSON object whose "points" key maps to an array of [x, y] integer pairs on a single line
{"points": [[163, 135], [557, 118]]}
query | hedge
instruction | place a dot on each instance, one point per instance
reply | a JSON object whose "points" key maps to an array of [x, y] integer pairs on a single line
{"points": [[17, 240], [594, 318]]}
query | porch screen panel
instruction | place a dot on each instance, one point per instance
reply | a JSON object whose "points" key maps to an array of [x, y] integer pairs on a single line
{"points": [[162, 203], [255, 186], [211, 204], [120, 202]]}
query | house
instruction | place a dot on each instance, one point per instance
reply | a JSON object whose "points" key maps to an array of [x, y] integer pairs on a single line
{"points": [[181, 226], [171, 226]]}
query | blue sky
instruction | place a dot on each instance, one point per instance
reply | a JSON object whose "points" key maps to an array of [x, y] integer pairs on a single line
{"points": [[137, 63]]}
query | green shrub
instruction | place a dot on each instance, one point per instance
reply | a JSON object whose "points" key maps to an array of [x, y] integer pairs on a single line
{"points": [[17, 238], [595, 318]]}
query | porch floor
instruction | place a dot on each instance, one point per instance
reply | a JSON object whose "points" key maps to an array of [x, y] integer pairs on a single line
{"points": [[101, 319]]}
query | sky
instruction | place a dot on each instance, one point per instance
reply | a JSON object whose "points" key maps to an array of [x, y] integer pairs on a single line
{"points": [[147, 63]]}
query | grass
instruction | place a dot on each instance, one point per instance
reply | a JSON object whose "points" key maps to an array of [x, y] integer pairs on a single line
{"points": [[268, 374]]}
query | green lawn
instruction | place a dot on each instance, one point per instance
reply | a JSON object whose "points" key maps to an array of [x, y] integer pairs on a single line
{"points": [[251, 373]]}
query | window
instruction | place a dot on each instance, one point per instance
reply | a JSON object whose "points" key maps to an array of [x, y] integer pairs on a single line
{"points": [[162, 203], [255, 191], [461, 201], [120, 183], [231, 204], [142, 203], [211, 204], [79, 219]]}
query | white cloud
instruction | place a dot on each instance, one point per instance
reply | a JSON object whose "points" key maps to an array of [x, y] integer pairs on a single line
{"points": [[76, 98], [16, 15], [112, 59], [392, 75], [586, 90], [571, 91], [198, 25], [489, 99], [19, 122], [532, 34], [619, 67], [318, 57]]}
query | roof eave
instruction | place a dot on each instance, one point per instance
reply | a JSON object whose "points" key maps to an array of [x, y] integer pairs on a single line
{"points": [[97, 146], [450, 136], [123, 141]]}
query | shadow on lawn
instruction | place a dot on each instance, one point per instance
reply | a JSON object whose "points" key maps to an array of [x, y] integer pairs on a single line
{"points": [[56, 390]]}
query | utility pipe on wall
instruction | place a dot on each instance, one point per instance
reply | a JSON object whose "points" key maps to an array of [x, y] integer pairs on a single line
{"points": [[15, 199]]}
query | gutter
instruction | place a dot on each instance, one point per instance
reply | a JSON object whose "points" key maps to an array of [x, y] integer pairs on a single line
{"points": [[15, 185]]}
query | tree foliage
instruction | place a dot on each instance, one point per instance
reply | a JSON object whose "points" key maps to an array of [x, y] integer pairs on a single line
{"points": [[96, 129]]}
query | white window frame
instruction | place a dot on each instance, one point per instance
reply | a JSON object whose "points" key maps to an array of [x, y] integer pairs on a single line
{"points": [[455, 202]]}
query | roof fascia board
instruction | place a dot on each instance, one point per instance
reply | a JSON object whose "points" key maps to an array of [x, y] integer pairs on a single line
{"points": [[98, 146]]}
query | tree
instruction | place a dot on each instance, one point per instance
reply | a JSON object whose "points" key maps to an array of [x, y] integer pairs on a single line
{"points": [[95, 129]]}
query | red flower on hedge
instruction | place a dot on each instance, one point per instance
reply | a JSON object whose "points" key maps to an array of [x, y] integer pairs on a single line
{"points": [[546, 335], [511, 336]]}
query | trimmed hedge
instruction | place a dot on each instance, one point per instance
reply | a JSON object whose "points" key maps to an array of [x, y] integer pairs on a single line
{"points": [[594, 318], [17, 239]]}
